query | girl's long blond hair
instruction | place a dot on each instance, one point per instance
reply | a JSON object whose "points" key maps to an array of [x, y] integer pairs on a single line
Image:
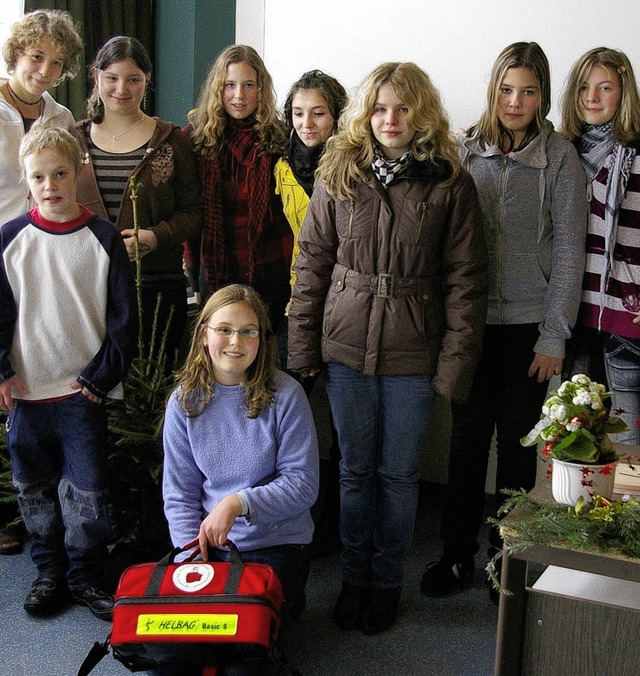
{"points": [[350, 152], [196, 381], [626, 121], [208, 118], [517, 55]]}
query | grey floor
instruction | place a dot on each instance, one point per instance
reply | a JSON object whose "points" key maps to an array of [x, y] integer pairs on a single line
{"points": [[453, 636]]}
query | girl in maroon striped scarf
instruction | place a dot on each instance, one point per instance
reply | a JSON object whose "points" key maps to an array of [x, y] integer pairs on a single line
{"points": [[238, 137]]}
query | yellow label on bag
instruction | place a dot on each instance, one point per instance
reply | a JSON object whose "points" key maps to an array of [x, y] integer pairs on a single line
{"points": [[189, 625]]}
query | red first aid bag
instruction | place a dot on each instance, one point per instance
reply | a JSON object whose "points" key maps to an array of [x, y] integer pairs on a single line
{"points": [[194, 602]]}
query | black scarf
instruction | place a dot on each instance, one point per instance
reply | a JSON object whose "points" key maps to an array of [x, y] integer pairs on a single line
{"points": [[304, 161]]}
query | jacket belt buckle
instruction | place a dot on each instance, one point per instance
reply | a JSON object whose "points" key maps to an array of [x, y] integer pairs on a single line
{"points": [[386, 285]]}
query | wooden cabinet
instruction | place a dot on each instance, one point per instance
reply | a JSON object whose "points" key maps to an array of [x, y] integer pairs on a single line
{"points": [[554, 628]]}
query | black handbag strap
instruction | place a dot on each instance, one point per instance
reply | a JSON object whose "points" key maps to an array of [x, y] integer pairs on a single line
{"points": [[159, 570], [235, 570], [95, 655]]}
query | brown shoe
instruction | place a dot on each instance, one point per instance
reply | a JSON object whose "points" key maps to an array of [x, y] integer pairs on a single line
{"points": [[10, 542]]}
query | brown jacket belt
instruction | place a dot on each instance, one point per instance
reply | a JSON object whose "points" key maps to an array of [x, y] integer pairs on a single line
{"points": [[383, 285]]}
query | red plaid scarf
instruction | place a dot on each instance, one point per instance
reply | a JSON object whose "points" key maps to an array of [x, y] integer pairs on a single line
{"points": [[239, 148]]}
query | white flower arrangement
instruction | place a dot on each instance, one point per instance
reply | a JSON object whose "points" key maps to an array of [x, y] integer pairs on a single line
{"points": [[575, 424]]}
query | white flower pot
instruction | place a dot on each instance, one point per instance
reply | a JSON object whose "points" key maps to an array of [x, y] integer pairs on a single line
{"points": [[570, 480]]}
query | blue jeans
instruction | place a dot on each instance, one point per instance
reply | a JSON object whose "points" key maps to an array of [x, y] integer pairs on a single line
{"points": [[381, 421], [291, 565], [58, 453], [622, 364]]}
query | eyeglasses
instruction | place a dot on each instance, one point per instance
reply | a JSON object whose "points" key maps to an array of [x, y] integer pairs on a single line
{"points": [[227, 331]]}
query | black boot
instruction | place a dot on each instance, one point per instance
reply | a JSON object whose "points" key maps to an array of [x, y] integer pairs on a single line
{"points": [[381, 610], [350, 606], [447, 576]]}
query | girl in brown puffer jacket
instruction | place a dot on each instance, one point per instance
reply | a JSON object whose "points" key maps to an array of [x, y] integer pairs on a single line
{"points": [[391, 295]]}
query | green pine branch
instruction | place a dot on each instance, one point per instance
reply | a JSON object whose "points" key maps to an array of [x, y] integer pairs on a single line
{"points": [[611, 526]]}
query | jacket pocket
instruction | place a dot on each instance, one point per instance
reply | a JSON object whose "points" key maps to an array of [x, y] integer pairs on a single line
{"points": [[355, 221], [346, 316], [420, 222]]}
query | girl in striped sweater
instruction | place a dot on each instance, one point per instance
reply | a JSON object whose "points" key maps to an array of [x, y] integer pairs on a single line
{"points": [[601, 116]]}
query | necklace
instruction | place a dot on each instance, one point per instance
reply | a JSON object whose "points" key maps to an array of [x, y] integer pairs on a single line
{"points": [[116, 137], [15, 97]]}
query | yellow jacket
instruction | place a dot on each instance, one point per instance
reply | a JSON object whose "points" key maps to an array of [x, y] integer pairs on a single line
{"points": [[295, 202]]}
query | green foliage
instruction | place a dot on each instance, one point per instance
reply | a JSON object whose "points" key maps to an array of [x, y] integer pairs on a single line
{"points": [[135, 427], [611, 526], [135, 460], [8, 492], [575, 424]]}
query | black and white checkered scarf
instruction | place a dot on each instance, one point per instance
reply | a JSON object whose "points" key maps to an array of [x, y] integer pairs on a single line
{"points": [[385, 169]]}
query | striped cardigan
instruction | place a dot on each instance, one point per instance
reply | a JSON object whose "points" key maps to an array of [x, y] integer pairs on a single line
{"points": [[613, 311]]}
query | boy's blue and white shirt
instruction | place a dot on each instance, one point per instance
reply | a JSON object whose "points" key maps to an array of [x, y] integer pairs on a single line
{"points": [[67, 305]]}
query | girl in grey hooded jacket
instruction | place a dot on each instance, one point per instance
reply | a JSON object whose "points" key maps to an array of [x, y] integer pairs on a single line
{"points": [[533, 199]]}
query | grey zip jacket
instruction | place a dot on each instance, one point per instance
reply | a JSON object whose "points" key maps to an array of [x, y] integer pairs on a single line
{"points": [[534, 208]]}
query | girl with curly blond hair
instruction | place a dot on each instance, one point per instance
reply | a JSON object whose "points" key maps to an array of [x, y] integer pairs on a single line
{"points": [[238, 139], [43, 49], [390, 296]]}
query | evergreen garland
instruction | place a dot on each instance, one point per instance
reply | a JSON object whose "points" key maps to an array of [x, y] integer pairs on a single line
{"points": [[611, 526]]}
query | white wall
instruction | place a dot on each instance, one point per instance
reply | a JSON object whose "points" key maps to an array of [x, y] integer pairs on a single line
{"points": [[455, 41], [12, 11]]}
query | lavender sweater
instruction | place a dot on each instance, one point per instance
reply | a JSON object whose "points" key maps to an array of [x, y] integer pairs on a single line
{"points": [[271, 460]]}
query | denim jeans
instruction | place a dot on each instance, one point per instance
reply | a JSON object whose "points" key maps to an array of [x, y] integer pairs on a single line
{"points": [[381, 421], [58, 454], [622, 363], [291, 565], [503, 399]]}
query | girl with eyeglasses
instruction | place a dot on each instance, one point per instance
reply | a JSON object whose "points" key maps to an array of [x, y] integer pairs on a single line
{"points": [[240, 462], [241, 455]]}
